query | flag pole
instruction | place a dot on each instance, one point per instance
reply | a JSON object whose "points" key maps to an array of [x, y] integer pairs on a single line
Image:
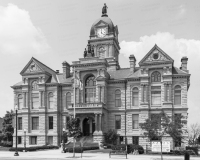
{"points": [[74, 110], [74, 93]]}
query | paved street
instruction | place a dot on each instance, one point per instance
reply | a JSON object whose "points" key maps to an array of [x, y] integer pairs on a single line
{"points": [[57, 155]]}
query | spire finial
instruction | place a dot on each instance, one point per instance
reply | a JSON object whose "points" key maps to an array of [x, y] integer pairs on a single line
{"points": [[104, 11]]}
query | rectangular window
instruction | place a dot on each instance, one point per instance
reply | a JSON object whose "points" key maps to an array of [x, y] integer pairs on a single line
{"points": [[51, 122], [135, 140], [19, 140], [50, 140], [35, 100], [67, 120], [117, 122], [135, 118], [156, 95], [33, 140], [19, 123], [51, 103], [35, 123], [135, 99], [121, 139], [177, 97]]}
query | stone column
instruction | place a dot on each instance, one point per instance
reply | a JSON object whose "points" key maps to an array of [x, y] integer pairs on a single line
{"points": [[24, 99], [43, 99], [40, 98], [103, 94], [78, 98], [165, 92], [100, 119], [27, 99], [96, 126], [90, 126], [147, 93], [99, 94], [170, 92], [107, 51], [142, 93]]}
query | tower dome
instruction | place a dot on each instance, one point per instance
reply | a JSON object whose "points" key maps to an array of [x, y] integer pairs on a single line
{"points": [[106, 20]]}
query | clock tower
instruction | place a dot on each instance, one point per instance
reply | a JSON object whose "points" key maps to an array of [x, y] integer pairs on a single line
{"points": [[104, 40]]}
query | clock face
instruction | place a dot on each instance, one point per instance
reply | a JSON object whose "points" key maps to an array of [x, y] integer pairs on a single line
{"points": [[101, 32]]}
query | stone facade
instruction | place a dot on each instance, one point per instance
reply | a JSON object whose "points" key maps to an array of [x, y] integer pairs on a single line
{"points": [[47, 93]]}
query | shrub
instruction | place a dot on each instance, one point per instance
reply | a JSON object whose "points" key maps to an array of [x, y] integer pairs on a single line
{"points": [[179, 152], [130, 148], [111, 136], [195, 149], [109, 146], [79, 149], [20, 149], [6, 144]]}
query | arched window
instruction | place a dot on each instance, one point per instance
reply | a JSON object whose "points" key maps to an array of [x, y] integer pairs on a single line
{"points": [[90, 89], [177, 95], [20, 101], [156, 76], [34, 85], [68, 99], [35, 95], [50, 100], [135, 97], [118, 98]]}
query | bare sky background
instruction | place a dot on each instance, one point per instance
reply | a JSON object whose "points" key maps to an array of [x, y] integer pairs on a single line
{"points": [[53, 31]]}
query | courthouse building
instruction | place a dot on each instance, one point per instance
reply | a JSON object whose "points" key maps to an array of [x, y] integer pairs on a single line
{"points": [[45, 97]]}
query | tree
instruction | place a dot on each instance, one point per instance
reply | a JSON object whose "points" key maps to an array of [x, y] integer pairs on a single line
{"points": [[74, 130], [194, 133], [111, 136], [7, 128], [159, 125]]}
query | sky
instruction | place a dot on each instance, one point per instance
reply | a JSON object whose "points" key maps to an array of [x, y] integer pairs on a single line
{"points": [[54, 31]]}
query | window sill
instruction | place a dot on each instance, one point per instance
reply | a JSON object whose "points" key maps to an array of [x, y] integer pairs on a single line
{"points": [[178, 105], [136, 129], [167, 103], [155, 106]]}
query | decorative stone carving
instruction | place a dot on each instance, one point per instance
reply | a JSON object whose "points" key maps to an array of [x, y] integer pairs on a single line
{"points": [[33, 68], [156, 56]]}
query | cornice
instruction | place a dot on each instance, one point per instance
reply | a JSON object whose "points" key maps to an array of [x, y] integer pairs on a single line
{"points": [[89, 64]]}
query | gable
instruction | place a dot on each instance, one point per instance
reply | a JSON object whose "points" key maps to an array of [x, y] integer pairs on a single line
{"points": [[33, 68], [156, 55]]}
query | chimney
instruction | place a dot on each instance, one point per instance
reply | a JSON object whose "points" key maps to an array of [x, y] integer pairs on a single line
{"points": [[66, 70], [184, 64], [132, 61]]}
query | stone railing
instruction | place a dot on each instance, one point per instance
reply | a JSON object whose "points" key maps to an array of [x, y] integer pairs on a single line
{"points": [[86, 105]]}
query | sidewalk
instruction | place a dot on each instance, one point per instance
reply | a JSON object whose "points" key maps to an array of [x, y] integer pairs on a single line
{"points": [[57, 155]]}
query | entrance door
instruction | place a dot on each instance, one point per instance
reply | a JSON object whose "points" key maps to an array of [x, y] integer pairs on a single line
{"points": [[86, 127]]}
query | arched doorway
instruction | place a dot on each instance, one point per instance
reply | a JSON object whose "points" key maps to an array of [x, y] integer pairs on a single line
{"points": [[88, 126]]}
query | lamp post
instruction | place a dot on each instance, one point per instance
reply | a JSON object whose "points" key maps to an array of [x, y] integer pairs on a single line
{"points": [[25, 139], [63, 140], [16, 152]]}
